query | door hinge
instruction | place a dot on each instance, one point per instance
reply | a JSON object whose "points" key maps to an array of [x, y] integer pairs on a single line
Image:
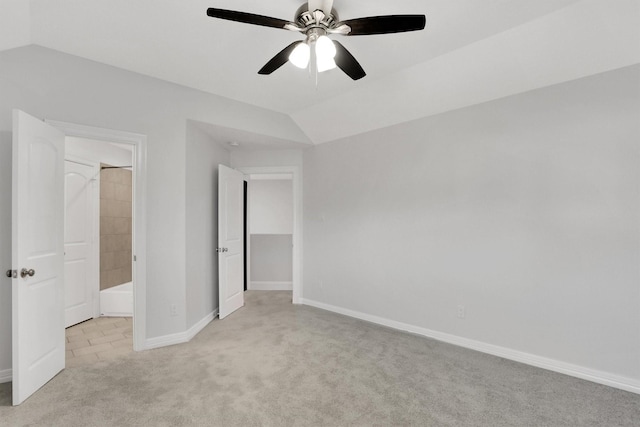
{"points": [[135, 258], [13, 274]]}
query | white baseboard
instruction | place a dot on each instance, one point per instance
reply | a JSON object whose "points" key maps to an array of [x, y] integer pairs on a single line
{"points": [[5, 375], [180, 337], [600, 377], [271, 286]]}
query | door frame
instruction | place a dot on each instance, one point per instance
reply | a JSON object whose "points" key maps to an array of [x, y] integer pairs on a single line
{"points": [[297, 219], [95, 246], [139, 238]]}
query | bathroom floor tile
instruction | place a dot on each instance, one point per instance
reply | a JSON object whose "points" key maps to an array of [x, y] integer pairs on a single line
{"points": [[98, 339]]}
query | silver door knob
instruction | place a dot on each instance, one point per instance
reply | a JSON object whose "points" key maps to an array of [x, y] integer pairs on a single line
{"points": [[24, 272]]}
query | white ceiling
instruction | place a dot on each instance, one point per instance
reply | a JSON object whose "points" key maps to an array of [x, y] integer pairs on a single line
{"points": [[471, 51]]}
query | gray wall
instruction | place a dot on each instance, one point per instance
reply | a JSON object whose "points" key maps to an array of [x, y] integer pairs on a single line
{"points": [[524, 210], [53, 85], [271, 227], [268, 158], [271, 206], [271, 258], [203, 158]]}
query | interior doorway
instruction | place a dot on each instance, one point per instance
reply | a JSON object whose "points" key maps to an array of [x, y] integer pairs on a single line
{"points": [[270, 232], [121, 159], [274, 229], [98, 250]]}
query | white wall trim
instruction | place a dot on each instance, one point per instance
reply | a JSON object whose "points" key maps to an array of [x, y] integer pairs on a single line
{"points": [[6, 375], [600, 377], [297, 220], [139, 241], [270, 286], [181, 337]]}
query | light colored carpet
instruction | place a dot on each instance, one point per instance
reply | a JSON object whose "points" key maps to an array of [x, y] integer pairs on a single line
{"points": [[276, 364]]}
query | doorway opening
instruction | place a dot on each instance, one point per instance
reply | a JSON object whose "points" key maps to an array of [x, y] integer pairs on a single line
{"points": [[270, 232], [116, 284], [274, 229], [98, 254]]}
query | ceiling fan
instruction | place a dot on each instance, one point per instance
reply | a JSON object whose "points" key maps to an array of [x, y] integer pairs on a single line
{"points": [[316, 19]]}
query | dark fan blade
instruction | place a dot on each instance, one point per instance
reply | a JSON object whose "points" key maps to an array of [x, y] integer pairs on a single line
{"points": [[247, 18], [280, 59], [347, 63], [385, 24]]}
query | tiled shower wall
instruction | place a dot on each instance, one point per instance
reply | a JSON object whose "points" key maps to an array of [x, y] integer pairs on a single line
{"points": [[115, 227]]}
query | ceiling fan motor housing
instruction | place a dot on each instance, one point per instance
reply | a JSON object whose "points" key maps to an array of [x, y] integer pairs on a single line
{"points": [[307, 20]]}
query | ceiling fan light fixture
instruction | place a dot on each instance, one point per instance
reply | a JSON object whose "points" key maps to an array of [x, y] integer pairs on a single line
{"points": [[325, 48], [326, 64], [300, 55], [315, 19]]}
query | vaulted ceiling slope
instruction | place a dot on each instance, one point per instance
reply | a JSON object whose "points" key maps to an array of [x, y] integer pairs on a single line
{"points": [[471, 52]]}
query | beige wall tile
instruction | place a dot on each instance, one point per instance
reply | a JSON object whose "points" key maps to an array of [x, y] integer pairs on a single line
{"points": [[123, 259], [108, 281], [115, 227], [125, 177], [128, 277], [123, 209], [108, 261], [103, 279], [122, 192], [108, 190], [122, 244], [111, 243], [106, 225], [120, 225]]}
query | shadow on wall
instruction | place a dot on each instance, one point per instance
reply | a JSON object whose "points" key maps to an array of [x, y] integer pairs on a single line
{"points": [[5, 252]]}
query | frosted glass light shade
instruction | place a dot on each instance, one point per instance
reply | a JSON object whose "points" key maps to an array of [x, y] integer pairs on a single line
{"points": [[325, 48], [300, 55], [325, 64]]}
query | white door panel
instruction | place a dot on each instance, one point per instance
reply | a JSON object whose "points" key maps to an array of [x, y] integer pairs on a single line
{"points": [[230, 240], [80, 271], [38, 341]]}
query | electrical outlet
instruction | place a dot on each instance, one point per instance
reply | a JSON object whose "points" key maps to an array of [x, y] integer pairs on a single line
{"points": [[461, 312], [173, 310]]}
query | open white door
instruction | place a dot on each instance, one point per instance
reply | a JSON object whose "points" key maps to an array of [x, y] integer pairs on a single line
{"points": [[230, 240], [80, 226], [38, 341]]}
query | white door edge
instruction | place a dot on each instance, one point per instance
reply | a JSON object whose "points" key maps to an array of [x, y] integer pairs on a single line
{"points": [[230, 241]]}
